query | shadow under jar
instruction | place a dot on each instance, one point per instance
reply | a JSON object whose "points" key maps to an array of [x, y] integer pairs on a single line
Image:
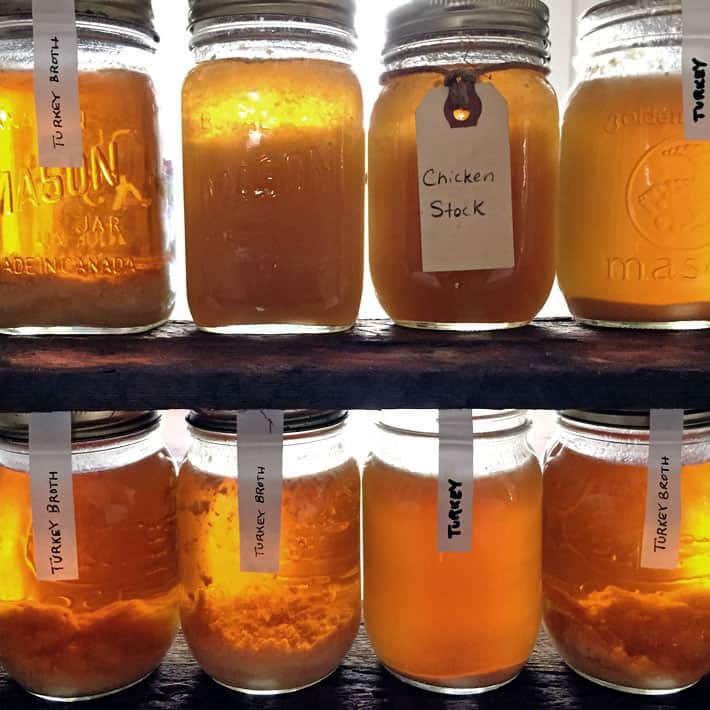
{"points": [[454, 623], [85, 250], [616, 623], [425, 40], [259, 633], [274, 174], [634, 246], [110, 628]]}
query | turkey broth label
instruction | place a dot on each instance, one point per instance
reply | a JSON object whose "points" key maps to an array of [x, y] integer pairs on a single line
{"points": [[260, 483], [56, 84], [696, 69], [465, 194], [455, 492], [661, 536], [52, 494]]}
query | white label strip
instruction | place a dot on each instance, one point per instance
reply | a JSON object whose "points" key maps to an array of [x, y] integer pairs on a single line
{"points": [[661, 535], [56, 83], [455, 498], [696, 69], [260, 482], [52, 495]]}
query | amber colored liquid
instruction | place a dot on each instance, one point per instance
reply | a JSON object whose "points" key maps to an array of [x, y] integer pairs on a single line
{"points": [[271, 632], [499, 296], [274, 193], [113, 626], [610, 619], [635, 216], [86, 247], [465, 620]]}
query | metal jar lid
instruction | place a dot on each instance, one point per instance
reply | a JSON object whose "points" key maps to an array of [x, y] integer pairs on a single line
{"points": [[613, 11], [86, 426], [334, 12], [632, 419], [138, 13], [420, 19], [295, 420]]}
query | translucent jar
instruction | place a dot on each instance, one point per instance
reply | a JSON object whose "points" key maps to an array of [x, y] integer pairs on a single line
{"points": [[274, 167], [271, 633], [633, 629], [85, 250], [425, 41], [73, 640], [634, 247], [454, 623]]}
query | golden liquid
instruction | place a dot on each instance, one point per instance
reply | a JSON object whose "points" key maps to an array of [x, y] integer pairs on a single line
{"points": [[635, 216], [274, 193], [452, 620], [496, 296], [269, 632], [113, 626], [610, 619], [84, 247]]}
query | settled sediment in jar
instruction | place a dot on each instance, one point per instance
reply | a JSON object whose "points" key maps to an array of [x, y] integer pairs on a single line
{"points": [[84, 249], [112, 627], [269, 633], [638, 629]]}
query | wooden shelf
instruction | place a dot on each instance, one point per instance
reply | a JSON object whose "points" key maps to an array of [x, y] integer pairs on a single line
{"points": [[361, 684], [549, 365]]}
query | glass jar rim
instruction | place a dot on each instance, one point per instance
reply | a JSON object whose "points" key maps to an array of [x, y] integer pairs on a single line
{"points": [[296, 421], [424, 422], [87, 427], [134, 13]]}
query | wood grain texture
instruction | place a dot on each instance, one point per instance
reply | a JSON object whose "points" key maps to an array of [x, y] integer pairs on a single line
{"points": [[362, 684], [549, 365]]}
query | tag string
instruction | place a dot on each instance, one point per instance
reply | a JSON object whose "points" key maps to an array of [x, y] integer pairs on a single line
{"points": [[463, 107], [475, 72]]}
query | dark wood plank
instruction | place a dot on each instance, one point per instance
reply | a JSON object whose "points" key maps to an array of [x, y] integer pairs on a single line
{"points": [[549, 365], [361, 684]]}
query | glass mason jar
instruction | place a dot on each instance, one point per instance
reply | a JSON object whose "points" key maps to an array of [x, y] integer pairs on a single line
{"points": [[425, 39], [274, 170], [634, 247], [614, 622], [259, 633], [455, 623], [85, 250], [74, 640]]}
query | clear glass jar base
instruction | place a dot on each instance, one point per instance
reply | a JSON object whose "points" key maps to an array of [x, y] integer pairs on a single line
{"points": [[36, 330], [460, 327], [447, 690], [86, 698], [275, 329], [271, 693], [649, 325], [630, 690]]}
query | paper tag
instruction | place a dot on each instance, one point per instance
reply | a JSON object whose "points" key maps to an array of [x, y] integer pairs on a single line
{"points": [[696, 69], [455, 497], [661, 535], [260, 482], [465, 194], [56, 82], [52, 496]]}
